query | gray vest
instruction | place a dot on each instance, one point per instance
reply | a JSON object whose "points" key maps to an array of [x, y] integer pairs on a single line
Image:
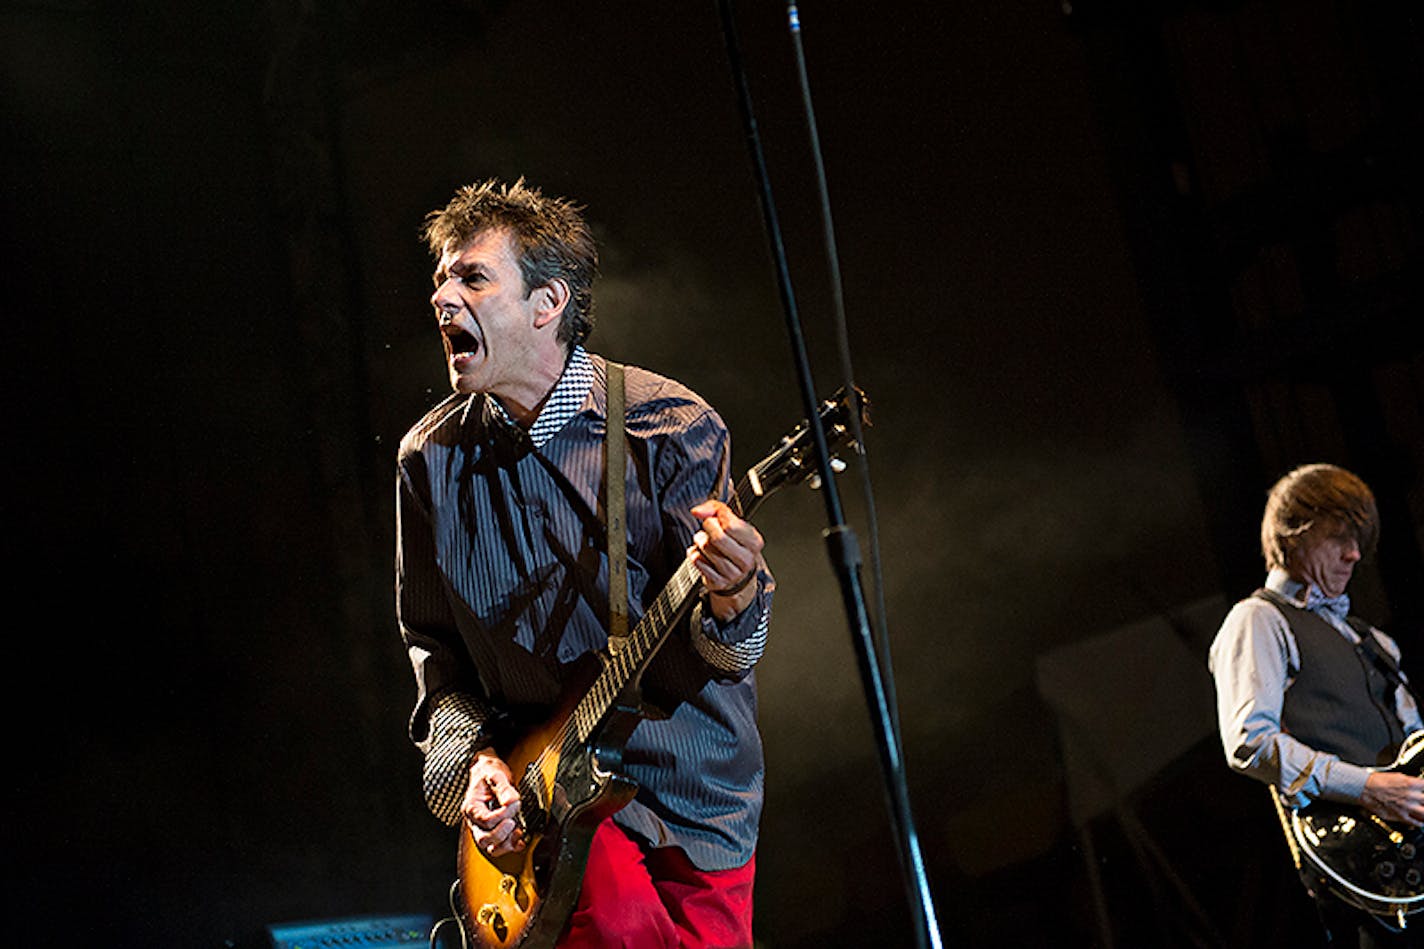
{"points": [[1340, 702]]}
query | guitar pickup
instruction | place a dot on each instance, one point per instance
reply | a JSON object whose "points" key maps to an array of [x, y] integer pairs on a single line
{"points": [[534, 807]]}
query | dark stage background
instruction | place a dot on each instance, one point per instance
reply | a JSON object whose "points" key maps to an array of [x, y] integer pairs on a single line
{"points": [[1109, 269]]}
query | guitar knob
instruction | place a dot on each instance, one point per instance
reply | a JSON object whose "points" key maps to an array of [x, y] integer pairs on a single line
{"points": [[1412, 877], [1407, 851], [490, 916], [1385, 871]]}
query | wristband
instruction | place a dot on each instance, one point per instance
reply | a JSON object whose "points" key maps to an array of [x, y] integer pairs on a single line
{"points": [[737, 587]]}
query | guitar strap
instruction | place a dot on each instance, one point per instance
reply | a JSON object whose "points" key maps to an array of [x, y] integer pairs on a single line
{"points": [[616, 462], [1285, 827], [1369, 646], [1382, 661]]}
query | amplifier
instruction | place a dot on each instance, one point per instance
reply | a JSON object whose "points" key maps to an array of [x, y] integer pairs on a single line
{"points": [[352, 932]]}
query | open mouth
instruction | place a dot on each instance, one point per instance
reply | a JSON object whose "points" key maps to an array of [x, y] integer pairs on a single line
{"points": [[462, 344]]}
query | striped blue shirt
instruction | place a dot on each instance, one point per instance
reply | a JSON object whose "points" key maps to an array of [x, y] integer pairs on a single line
{"points": [[502, 585]]}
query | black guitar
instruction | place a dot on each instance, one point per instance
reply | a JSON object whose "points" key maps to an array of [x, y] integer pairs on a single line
{"points": [[567, 768], [1357, 856]]}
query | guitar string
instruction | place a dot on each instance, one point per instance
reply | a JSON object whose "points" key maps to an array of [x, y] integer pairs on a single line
{"points": [[580, 717], [590, 710]]}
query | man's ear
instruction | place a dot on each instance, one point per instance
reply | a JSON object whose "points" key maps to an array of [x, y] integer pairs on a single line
{"points": [[550, 299]]}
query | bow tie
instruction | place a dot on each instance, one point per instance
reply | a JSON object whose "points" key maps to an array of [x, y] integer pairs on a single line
{"points": [[1338, 605]]}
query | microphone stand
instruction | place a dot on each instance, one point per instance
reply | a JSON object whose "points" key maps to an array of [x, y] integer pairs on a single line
{"points": [[842, 546]]}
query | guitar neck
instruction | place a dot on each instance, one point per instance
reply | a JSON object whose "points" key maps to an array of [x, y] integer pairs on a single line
{"points": [[652, 630]]}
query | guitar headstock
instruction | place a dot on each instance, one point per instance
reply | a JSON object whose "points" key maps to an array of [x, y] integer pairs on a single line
{"points": [[793, 460]]}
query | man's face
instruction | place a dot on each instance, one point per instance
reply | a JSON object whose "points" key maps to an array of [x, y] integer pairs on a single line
{"points": [[1326, 558], [496, 335]]}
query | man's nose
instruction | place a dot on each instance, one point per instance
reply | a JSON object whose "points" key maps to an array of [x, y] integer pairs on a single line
{"points": [[1351, 550], [445, 301]]}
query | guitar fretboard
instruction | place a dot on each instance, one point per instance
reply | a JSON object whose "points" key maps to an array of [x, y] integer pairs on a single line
{"points": [[647, 637]]}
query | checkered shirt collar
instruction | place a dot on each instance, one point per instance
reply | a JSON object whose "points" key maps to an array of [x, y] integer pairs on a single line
{"points": [[563, 403]]}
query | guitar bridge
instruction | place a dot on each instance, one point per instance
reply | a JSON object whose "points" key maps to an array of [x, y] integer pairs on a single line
{"points": [[1395, 837]]}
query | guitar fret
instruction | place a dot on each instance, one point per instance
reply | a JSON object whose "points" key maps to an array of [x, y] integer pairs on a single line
{"points": [[639, 648]]}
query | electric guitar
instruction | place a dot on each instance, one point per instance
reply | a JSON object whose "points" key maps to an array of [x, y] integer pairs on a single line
{"points": [[1372, 864], [566, 769]]}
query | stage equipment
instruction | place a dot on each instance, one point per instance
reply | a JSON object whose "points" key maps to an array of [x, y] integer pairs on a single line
{"points": [[353, 932], [872, 655]]}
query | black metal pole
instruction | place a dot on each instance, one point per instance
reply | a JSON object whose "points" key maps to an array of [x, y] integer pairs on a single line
{"points": [[841, 544]]}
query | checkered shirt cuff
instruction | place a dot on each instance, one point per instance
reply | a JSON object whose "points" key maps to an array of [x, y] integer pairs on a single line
{"points": [[456, 733]]}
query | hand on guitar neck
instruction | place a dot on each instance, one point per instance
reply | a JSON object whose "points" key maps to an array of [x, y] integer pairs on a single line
{"points": [[491, 806], [727, 552], [1395, 797]]}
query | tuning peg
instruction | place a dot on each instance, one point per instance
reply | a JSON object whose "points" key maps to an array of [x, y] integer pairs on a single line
{"points": [[836, 465]]}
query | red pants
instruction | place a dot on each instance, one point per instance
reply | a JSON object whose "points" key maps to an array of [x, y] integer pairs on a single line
{"points": [[656, 899]]}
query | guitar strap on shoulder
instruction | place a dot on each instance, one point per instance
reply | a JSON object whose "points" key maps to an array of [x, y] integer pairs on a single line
{"points": [[1384, 662], [1368, 645], [616, 462]]}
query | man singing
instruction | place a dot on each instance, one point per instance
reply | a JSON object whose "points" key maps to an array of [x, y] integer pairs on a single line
{"points": [[502, 577]]}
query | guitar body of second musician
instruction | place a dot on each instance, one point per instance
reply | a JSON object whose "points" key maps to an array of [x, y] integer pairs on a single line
{"points": [[1370, 863]]}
